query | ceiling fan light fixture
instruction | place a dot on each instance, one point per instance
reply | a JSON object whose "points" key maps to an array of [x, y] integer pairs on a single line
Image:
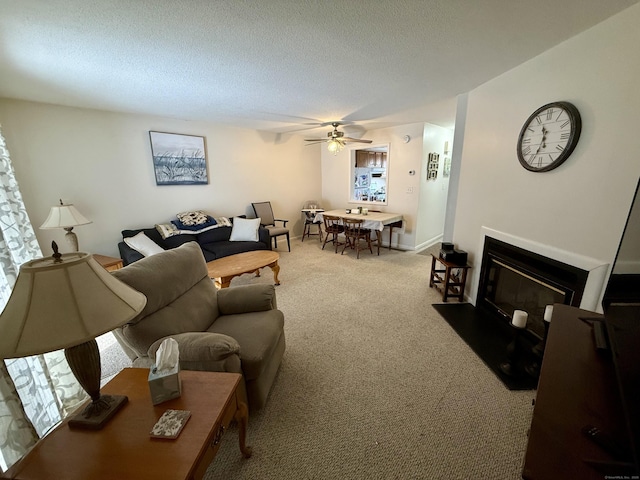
{"points": [[334, 146]]}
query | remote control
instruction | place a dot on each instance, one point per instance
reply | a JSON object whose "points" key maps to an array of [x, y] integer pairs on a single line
{"points": [[605, 442]]}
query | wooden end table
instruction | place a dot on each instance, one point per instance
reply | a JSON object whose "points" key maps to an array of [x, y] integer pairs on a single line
{"points": [[123, 448], [224, 269], [452, 283], [109, 263]]}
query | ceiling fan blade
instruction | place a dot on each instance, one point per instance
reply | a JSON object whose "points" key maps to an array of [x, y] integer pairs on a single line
{"points": [[356, 140], [316, 139]]}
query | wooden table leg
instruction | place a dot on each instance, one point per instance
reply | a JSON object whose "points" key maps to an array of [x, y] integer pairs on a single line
{"points": [[276, 269], [433, 271], [447, 277], [242, 417]]}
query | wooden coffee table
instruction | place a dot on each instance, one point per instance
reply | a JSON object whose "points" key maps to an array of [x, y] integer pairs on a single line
{"points": [[226, 268], [123, 448]]}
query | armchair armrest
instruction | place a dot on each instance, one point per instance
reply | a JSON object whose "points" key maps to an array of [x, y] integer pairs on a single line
{"points": [[264, 237], [284, 222], [246, 299], [128, 254], [204, 351]]}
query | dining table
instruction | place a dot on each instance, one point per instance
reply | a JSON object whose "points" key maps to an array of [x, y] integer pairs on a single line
{"points": [[375, 221]]}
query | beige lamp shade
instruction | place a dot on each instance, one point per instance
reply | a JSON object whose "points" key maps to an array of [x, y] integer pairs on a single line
{"points": [[62, 303], [63, 216]]}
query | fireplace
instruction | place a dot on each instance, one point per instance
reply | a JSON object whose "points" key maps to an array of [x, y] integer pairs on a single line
{"points": [[513, 278]]}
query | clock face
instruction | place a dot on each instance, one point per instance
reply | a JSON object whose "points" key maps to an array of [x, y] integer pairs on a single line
{"points": [[549, 136]]}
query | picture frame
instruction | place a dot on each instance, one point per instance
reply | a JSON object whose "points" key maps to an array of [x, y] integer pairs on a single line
{"points": [[432, 166], [178, 159]]}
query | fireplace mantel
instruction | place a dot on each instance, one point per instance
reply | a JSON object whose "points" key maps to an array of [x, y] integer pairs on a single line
{"points": [[597, 270]]}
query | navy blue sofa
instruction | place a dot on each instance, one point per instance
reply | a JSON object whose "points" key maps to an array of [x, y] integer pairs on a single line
{"points": [[214, 243]]}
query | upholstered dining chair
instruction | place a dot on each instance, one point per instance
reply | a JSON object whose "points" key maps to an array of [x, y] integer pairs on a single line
{"points": [[355, 234], [267, 220], [332, 227], [309, 219]]}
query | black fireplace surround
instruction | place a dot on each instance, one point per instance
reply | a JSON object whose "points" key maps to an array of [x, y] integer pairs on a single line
{"points": [[512, 278]]}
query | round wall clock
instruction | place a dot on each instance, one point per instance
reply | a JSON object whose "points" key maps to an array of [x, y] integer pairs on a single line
{"points": [[549, 136]]}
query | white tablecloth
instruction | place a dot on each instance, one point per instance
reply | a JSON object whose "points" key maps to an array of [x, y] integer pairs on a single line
{"points": [[373, 220]]}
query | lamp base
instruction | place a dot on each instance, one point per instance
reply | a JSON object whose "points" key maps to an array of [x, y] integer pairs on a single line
{"points": [[99, 417]]}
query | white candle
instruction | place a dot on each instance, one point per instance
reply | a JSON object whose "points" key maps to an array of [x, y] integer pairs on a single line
{"points": [[548, 311], [519, 318]]}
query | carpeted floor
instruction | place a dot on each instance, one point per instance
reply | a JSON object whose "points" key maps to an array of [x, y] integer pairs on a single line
{"points": [[374, 383]]}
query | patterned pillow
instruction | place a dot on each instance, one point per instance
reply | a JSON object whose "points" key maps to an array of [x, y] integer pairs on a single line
{"points": [[197, 217], [167, 230]]}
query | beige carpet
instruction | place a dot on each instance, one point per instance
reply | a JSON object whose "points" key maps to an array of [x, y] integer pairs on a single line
{"points": [[374, 384]]}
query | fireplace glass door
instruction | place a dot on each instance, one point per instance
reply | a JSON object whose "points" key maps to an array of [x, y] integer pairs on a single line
{"points": [[509, 288]]}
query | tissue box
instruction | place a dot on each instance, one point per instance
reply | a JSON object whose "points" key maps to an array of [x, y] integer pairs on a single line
{"points": [[164, 385]]}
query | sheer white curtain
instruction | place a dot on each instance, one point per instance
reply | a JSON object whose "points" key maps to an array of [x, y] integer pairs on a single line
{"points": [[35, 392]]}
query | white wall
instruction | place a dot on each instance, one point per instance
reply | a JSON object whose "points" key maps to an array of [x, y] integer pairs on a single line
{"points": [[582, 205], [402, 158], [101, 162], [433, 193]]}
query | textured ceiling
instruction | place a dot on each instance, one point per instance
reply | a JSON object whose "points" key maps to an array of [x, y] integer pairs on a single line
{"points": [[277, 65]]}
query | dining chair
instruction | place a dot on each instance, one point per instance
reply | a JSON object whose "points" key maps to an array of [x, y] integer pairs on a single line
{"points": [[332, 226], [309, 219], [355, 234], [264, 211]]}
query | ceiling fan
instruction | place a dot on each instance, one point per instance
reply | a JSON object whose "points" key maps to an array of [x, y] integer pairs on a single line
{"points": [[335, 139]]}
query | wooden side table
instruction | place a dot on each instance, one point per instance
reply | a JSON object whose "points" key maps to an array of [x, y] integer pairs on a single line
{"points": [[450, 280], [123, 448], [109, 263]]}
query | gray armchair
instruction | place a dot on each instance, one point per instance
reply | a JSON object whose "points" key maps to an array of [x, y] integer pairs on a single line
{"points": [[237, 329], [264, 211]]}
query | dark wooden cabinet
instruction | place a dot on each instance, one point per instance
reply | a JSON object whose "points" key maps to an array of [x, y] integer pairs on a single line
{"points": [[578, 387]]}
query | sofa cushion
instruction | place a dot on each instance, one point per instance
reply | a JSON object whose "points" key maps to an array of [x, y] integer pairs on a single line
{"points": [[214, 235], [152, 233], [226, 248], [257, 334], [143, 244], [177, 240]]}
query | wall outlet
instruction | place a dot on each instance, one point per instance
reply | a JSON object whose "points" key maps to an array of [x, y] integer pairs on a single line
{"points": [[409, 190]]}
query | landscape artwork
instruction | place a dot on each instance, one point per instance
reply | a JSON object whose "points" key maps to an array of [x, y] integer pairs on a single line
{"points": [[178, 159]]}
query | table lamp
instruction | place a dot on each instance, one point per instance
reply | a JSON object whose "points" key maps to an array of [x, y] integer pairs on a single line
{"points": [[65, 301], [67, 217]]}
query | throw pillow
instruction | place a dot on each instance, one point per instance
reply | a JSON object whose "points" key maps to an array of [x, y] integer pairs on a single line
{"points": [[143, 244], [197, 217], [245, 229], [167, 230]]}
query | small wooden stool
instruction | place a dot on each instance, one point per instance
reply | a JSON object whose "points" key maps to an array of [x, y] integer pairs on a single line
{"points": [[454, 279]]}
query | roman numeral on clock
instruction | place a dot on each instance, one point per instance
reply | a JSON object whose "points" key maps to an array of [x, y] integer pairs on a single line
{"points": [[560, 148], [564, 136], [526, 150], [549, 114]]}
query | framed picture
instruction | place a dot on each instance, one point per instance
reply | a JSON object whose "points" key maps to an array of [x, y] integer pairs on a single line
{"points": [[432, 166], [178, 159]]}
